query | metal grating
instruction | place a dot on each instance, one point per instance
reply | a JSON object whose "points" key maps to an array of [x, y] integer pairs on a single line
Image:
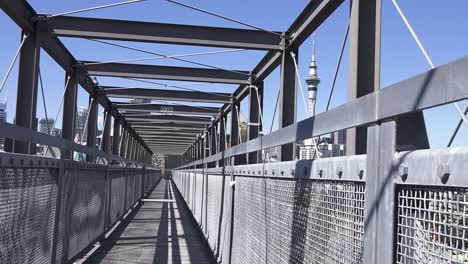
{"points": [[432, 225], [224, 238], [335, 224], [298, 221], [130, 188], [214, 201], [27, 211], [83, 210], [117, 194]]}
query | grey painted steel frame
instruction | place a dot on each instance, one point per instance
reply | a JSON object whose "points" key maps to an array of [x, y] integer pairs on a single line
{"points": [[165, 72], [81, 27]]}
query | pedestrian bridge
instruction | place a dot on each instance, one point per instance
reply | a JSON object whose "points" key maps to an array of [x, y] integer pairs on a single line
{"points": [[216, 198]]}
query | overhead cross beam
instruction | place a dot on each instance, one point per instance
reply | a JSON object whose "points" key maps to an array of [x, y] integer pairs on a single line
{"points": [[167, 108], [168, 95], [167, 125], [81, 27], [127, 70], [171, 118]]}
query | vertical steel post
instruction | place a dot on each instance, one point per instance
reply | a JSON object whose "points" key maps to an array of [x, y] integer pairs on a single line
{"points": [[129, 145], [255, 96], [222, 138], [116, 138], [235, 133], [106, 140], [26, 99], [207, 143], [364, 62], [380, 194], [92, 127], [288, 99], [69, 112], [123, 142]]}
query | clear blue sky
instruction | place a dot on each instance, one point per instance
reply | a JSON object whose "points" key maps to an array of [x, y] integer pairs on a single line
{"points": [[440, 25]]}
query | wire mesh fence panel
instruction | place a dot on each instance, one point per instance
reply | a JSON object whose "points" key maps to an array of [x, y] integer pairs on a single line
{"points": [[225, 230], [82, 210], [335, 222], [137, 193], [250, 229], [214, 202], [432, 225], [117, 194], [297, 221], [198, 196], [130, 188], [27, 210]]}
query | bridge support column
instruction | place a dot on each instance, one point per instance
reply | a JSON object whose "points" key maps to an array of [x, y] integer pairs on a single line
{"points": [[106, 140], [69, 112], [255, 122], [129, 145], [235, 133], [123, 143], [288, 99], [222, 138], [26, 101], [92, 127], [116, 138], [364, 62]]}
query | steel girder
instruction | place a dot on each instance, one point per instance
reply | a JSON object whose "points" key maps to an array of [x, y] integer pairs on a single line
{"points": [[170, 95], [171, 118], [170, 125], [167, 108], [127, 70], [112, 29]]}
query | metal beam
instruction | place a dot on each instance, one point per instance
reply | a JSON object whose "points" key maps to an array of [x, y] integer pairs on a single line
{"points": [[172, 125], [288, 100], [123, 142], [168, 108], [92, 127], [81, 27], [26, 102], [255, 120], [170, 118], [69, 112], [165, 72], [116, 138], [169, 95], [146, 137], [158, 132], [106, 140]]}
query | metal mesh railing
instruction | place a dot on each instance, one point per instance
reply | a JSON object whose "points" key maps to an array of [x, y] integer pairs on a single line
{"points": [[27, 211], [432, 225], [277, 219], [51, 211]]}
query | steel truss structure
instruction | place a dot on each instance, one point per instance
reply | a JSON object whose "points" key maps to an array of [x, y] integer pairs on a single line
{"points": [[385, 124]]}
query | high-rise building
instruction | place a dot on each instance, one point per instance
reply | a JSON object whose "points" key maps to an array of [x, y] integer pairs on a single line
{"points": [[3, 117], [46, 125]]}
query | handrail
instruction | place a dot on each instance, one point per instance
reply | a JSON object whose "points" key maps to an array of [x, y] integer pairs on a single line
{"points": [[8, 130]]}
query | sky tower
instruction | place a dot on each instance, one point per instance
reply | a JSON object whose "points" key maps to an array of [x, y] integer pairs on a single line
{"points": [[312, 81]]}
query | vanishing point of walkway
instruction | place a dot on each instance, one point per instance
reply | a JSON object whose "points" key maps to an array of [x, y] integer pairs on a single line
{"points": [[160, 230]]}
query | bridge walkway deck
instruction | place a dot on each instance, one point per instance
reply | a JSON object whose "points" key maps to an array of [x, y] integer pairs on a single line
{"points": [[160, 230]]}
